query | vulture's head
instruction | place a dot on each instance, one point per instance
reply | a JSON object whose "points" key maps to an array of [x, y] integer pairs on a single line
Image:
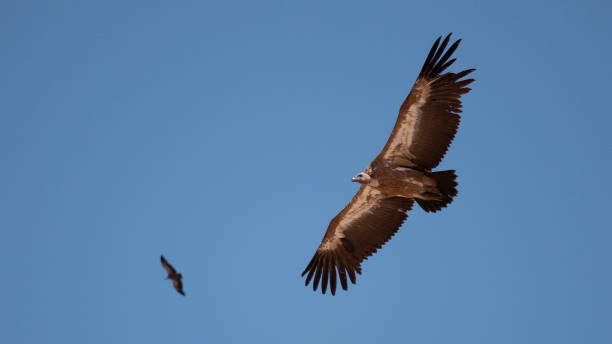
{"points": [[362, 178]]}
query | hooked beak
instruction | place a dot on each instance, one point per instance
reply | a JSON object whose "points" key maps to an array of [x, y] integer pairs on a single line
{"points": [[354, 179]]}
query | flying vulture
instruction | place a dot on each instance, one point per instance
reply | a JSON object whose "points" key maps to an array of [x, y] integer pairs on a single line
{"points": [[401, 174], [173, 275]]}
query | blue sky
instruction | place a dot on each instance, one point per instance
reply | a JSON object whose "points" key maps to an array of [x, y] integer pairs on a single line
{"points": [[224, 135]]}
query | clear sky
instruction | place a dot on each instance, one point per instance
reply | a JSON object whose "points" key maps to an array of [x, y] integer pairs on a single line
{"points": [[224, 136]]}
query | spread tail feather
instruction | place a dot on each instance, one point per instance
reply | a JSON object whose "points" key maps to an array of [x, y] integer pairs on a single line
{"points": [[446, 184]]}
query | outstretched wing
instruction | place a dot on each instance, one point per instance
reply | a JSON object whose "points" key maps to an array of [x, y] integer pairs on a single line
{"points": [[167, 266], [429, 117], [178, 285], [358, 231]]}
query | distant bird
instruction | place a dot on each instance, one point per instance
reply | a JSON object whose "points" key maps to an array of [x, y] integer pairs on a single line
{"points": [[173, 275], [402, 173]]}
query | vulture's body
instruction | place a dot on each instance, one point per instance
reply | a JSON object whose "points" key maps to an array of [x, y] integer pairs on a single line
{"points": [[411, 183], [401, 174], [174, 276]]}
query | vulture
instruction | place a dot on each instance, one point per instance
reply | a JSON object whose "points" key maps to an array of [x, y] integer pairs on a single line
{"points": [[400, 175], [173, 275]]}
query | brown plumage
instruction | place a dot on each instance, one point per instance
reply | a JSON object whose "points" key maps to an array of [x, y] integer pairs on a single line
{"points": [[401, 174], [173, 275]]}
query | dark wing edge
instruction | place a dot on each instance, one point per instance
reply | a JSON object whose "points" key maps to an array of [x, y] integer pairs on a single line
{"points": [[434, 64], [356, 233]]}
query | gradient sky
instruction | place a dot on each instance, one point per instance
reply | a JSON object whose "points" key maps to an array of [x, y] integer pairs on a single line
{"points": [[224, 135]]}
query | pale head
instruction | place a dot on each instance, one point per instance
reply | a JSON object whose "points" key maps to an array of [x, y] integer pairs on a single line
{"points": [[362, 178]]}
